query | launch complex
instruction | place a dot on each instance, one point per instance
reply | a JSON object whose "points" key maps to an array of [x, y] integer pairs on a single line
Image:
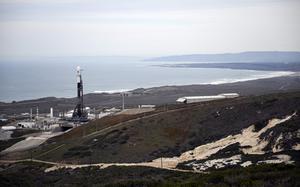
{"points": [[79, 113]]}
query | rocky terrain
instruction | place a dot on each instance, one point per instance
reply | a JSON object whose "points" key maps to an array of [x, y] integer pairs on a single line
{"points": [[275, 141]]}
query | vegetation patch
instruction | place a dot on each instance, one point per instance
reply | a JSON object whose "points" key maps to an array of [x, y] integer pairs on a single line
{"points": [[32, 174]]}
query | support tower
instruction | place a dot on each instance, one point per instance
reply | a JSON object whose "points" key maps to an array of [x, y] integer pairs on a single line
{"points": [[79, 113]]}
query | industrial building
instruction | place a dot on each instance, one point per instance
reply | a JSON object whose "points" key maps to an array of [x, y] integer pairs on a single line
{"points": [[196, 99]]}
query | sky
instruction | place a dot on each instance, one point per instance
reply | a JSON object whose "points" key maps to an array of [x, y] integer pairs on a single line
{"points": [[146, 27]]}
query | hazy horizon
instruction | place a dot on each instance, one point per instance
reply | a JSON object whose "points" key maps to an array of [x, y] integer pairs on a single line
{"points": [[57, 76], [144, 28]]}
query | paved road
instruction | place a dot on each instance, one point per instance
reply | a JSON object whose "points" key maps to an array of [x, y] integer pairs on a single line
{"points": [[30, 142]]}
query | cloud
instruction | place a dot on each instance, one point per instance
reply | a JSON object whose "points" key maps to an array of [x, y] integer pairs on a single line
{"points": [[117, 29], [38, 1]]}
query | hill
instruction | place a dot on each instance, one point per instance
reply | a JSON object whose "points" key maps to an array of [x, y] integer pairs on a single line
{"points": [[179, 130], [250, 140], [262, 66], [250, 57]]}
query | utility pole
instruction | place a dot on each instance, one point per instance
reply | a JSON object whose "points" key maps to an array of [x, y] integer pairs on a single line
{"points": [[123, 102], [30, 114], [31, 155], [37, 112]]}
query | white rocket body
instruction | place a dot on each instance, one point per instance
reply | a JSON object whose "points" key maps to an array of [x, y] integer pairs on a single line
{"points": [[78, 74], [51, 112], [79, 113]]}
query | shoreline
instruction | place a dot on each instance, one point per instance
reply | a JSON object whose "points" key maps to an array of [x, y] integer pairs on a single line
{"points": [[157, 95], [271, 75]]}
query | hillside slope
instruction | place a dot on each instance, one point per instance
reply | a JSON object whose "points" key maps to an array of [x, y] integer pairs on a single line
{"points": [[171, 131], [29, 174], [251, 56]]}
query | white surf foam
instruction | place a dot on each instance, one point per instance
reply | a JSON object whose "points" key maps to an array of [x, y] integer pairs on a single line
{"points": [[254, 77], [112, 91]]}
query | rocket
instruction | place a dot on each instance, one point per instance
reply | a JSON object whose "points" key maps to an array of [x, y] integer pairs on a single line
{"points": [[79, 83], [79, 109]]}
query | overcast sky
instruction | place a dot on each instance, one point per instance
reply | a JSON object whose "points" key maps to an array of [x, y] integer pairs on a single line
{"points": [[147, 27]]}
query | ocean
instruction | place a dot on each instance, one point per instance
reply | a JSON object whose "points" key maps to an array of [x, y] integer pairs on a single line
{"points": [[32, 78]]}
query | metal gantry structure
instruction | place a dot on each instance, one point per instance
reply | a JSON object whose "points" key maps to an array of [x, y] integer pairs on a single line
{"points": [[79, 113]]}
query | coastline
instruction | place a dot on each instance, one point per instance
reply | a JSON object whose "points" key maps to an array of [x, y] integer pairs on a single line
{"points": [[268, 76], [106, 78], [158, 95], [272, 74]]}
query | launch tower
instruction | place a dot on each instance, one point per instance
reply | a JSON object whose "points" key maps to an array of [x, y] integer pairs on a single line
{"points": [[79, 113]]}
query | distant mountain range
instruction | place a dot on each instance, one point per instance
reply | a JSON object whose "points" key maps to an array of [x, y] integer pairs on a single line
{"points": [[249, 57]]}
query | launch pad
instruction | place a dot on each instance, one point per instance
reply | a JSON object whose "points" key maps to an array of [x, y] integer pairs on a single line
{"points": [[79, 113]]}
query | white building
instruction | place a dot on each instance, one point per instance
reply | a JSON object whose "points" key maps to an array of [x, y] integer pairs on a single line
{"points": [[146, 106], [195, 99], [103, 114], [8, 128]]}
